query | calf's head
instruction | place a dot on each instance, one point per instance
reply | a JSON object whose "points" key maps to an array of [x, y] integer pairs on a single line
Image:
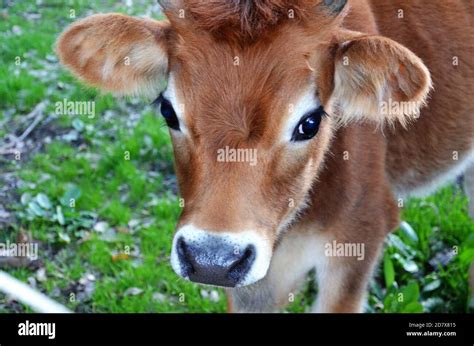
{"points": [[254, 92]]}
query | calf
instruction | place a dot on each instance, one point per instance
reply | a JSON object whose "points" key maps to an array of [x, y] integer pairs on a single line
{"points": [[327, 97]]}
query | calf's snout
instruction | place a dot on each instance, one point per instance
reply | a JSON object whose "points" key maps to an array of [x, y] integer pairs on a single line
{"points": [[218, 258], [215, 262]]}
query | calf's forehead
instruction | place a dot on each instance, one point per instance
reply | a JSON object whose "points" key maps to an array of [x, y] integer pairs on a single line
{"points": [[222, 83]]}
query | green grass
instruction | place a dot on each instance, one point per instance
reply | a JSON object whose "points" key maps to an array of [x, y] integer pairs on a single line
{"points": [[433, 261], [89, 181]]}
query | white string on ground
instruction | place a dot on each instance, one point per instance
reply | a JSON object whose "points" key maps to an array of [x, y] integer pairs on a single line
{"points": [[28, 296]]}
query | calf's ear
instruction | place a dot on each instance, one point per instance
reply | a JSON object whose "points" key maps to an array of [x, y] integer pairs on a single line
{"points": [[117, 53], [377, 79]]}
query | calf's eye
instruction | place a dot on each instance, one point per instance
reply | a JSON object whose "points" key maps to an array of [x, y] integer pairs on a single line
{"points": [[308, 126], [167, 111]]}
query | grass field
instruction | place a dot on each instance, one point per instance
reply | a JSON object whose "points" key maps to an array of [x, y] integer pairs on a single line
{"points": [[108, 250]]}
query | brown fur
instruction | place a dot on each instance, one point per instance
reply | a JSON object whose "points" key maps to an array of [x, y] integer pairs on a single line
{"points": [[245, 21], [102, 43], [342, 183]]}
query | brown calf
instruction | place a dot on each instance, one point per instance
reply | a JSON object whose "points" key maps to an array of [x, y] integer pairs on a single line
{"points": [[293, 128]]}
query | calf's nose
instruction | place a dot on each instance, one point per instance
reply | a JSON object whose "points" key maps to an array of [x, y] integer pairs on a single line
{"points": [[214, 261]]}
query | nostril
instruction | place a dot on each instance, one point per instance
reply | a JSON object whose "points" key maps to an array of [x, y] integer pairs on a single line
{"points": [[184, 257], [242, 266]]}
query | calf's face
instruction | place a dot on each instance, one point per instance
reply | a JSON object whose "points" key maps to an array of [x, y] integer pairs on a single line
{"points": [[250, 123]]}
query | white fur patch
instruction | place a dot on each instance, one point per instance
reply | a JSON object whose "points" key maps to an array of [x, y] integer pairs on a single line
{"points": [[298, 253], [171, 94]]}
